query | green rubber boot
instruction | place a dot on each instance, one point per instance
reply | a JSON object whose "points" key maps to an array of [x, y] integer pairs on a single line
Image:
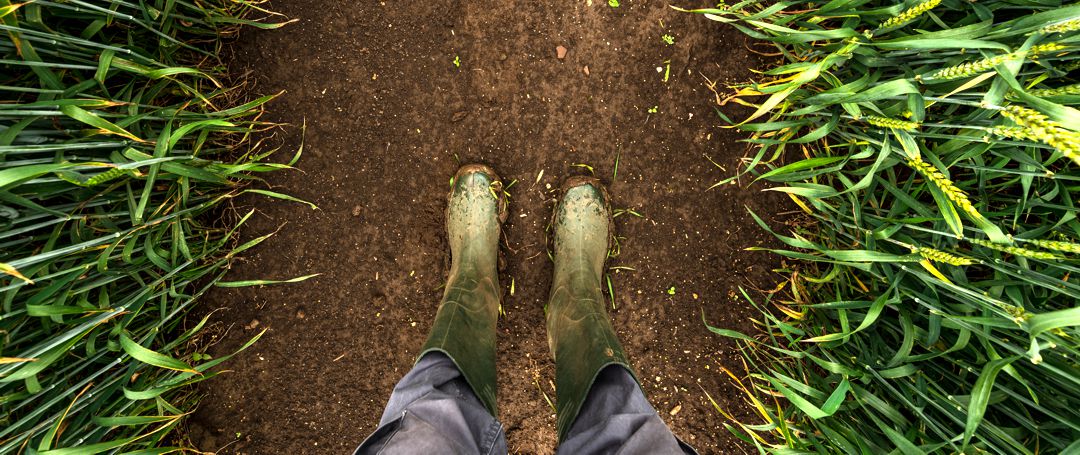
{"points": [[579, 330], [464, 327]]}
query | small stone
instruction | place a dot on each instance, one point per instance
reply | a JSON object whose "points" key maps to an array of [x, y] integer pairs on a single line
{"points": [[459, 116], [356, 210], [300, 313], [585, 69], [502, 57], [675, 410], [560, 52], [251, 325]]}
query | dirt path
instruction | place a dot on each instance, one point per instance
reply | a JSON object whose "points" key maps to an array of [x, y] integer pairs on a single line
{"points": [[390, 118]]}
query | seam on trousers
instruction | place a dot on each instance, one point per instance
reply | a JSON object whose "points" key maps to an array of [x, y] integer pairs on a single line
{"points": [[401, 422], [492, 435]]}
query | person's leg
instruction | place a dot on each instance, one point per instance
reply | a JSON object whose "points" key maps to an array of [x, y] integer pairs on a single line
{"points": [[600, 407], [434, 410], [447, 402], [616, 418]]}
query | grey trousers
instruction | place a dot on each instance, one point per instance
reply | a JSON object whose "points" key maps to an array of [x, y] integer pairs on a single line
{"points": [[434, 411]]}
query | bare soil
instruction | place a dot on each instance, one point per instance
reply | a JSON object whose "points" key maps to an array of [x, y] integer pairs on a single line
{"points": [[390, 117]]}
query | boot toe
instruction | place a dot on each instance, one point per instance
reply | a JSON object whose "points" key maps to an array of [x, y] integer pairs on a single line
{"points": [[584, 204], [582, 223], [475, 209], [473, 177]]}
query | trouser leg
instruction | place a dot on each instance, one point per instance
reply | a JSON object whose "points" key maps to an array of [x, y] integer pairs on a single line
{"points": [[616, 418], [433, 410]]}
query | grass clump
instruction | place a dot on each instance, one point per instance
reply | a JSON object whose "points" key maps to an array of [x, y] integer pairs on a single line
{"points": [[934, 149], [117, 134]]}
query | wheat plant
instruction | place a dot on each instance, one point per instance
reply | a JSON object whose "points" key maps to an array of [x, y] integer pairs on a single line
{"points": [[120, 140], [933, 306]]}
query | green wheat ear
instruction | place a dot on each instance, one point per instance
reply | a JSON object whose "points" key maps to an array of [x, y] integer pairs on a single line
{"points": [[1061, 27], [941, 256], [909, 14], [976, 67], [1040, 128], [971, 68], [1013, 132], [1039, 50], [885, 122], [108, 176], [1067, 247], [1015, 250], [1073, 89], [951, 191]]}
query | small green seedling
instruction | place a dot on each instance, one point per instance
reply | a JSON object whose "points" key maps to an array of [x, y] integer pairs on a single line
{"points": [[585, 166], [457, 61], [505, 190], [610, 290], [653, 110], [536, 380], [613, 3], [616, 247], [671, 290], [668, 39]]}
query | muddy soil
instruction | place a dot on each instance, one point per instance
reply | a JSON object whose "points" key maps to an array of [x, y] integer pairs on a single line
{"points": [[396, 96]]}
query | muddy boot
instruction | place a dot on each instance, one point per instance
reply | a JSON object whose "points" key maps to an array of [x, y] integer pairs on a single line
{"points": [[464, 327], [579, 330]]}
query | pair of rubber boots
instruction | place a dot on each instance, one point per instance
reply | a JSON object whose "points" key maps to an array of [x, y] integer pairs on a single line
{"points": [[579, 331]]}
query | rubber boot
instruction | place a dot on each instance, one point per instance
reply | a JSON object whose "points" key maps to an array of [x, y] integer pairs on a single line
{"points": [[464, 327], [579, 330]]}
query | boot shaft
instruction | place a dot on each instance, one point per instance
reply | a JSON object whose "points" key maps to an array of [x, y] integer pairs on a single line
{"points": [[579, 328], [464, 326]]}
